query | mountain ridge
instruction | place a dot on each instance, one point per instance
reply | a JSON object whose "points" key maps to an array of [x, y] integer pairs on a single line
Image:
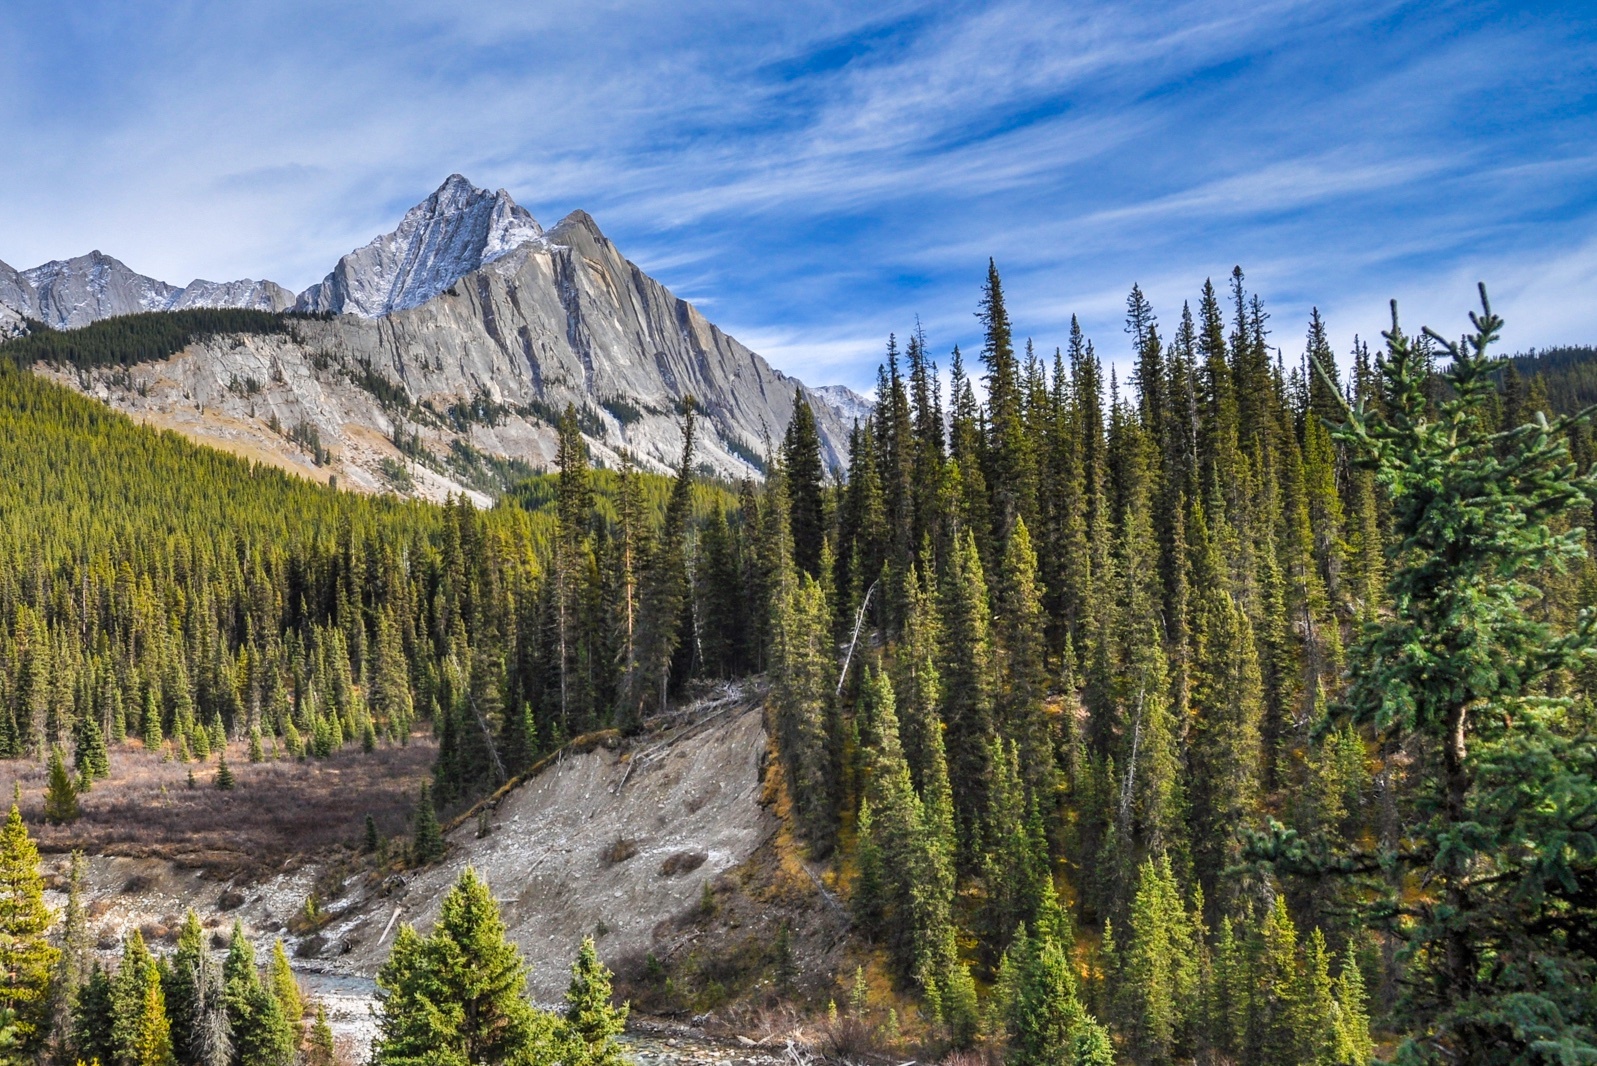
{"points": [[456, 341]]}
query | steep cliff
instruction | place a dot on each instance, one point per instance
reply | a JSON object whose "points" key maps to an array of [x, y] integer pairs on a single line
{"points": [[455, 343]]}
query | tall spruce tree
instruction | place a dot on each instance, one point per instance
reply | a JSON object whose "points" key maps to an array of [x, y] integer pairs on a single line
{"points": [[261, 1034], [801, 461], [27, 959], [663, 594], [1464, 672], [458, 996]]}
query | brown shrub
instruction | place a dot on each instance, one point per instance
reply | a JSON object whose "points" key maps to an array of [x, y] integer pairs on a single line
{"points": [[683, 862], [618, 850]]}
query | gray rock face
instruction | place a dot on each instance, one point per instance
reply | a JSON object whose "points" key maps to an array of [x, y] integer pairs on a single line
{"points": [[68, 293], [467, 326], [249, 294], [454, 231], [74, 292], [565, 319], [16, 293]]}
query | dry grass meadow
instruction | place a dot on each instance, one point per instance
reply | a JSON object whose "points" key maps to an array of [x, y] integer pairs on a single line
{"points": [[278, 812]]}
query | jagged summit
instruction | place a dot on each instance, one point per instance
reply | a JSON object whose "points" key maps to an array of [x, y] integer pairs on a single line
{"points": [[68, 293], [456, 230], [468, 306], [77, 291]]}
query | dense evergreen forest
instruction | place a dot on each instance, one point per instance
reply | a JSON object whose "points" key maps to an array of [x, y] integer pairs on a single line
{"points": [[1230, 713], [1556, 379], [124, 340]]}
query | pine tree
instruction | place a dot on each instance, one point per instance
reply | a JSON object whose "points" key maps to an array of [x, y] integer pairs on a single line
{"points": [[663, 593], [457, 997], [94, 1020], [285, 987], [1021, 635], [801, 462], [1461, 669], [1045, 1016], [89, 757], [27, 959], [181, 991], [224, 774], [427, 843], [588, 1029], [1016, 864], [802, 670], [1009, 470], [152, 1040], [1158, 975], [61, 795], [869, 896], [72, 967], [128, 996], [1318, 1015], [1277, 1006], [967, 683], [906, 885], [321, 1051], [261, 1035], [1353, 1042], [1227, 699], [573, 515]]}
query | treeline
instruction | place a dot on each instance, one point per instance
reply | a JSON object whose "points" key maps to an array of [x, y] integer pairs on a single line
{"points": [[1562, 379], [125, 340], [162, 594], [1180, 693]]}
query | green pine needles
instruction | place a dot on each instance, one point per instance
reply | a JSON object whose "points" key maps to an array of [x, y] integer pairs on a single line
{"points": [[457, 997], [1492, 884]]}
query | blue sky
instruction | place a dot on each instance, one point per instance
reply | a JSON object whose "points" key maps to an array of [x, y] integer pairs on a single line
{"points": [[816, 175]]}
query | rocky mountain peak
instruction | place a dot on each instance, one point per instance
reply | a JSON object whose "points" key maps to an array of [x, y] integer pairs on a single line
{"points": [[456, 230], [74, 292], [68, 293]]}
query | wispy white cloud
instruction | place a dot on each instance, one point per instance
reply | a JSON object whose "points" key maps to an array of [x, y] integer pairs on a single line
{"points": [[815, 174]]}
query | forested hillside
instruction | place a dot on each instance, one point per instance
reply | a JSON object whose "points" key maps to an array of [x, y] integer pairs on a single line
{"points": [[1559, 379], [126, 340], [1158, 718]]}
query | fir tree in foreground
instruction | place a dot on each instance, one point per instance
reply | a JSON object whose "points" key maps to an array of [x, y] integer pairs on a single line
{"points": [[458, 996], [591, 1022], [1470, 675], [27, 959]]}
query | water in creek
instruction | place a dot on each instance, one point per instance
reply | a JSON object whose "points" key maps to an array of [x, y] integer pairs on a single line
{"points": [[349, 1013]]}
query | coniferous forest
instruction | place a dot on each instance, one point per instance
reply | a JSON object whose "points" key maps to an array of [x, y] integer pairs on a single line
{"points": [[1235, 711]]}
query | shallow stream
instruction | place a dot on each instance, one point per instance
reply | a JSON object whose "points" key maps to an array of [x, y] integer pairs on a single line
{"points": [[349, 1003]]}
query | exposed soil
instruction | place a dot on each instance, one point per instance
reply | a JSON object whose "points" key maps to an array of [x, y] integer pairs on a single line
{"points": [[672, 849], [618, 841]]}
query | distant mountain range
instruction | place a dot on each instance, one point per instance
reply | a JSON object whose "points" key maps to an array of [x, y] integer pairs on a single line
{"points": [[452, 346], [69, 293]]}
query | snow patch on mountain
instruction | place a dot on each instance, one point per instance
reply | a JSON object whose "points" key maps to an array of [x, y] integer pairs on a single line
{"points": [[69, 293], [249, 294], [849, 406], [458, 229]]}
